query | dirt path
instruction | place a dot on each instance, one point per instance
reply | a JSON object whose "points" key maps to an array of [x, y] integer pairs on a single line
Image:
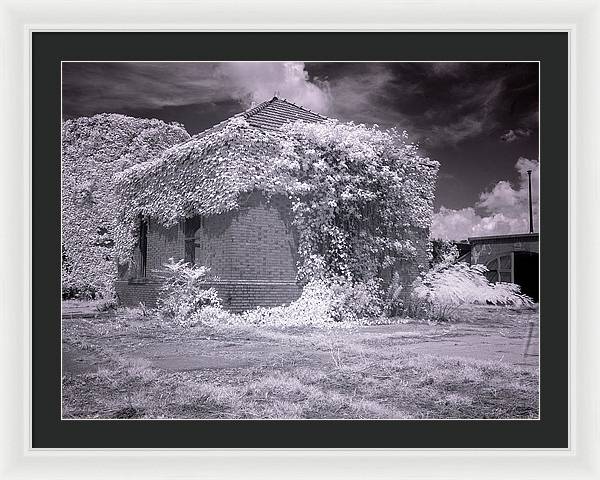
{"points": [[485, 334]]}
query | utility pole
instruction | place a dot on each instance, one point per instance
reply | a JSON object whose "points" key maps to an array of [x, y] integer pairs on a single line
{"points": [[530, 206]]}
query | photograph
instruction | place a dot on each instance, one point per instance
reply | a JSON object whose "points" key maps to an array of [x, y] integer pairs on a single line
{"points": [[300, 240]]}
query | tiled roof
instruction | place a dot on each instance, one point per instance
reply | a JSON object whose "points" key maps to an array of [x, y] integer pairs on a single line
{"points": [[269, 115], [274, 113]]}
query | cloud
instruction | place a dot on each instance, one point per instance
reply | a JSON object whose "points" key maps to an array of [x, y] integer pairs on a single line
{"points": [[509, 136], [364, 94], [502, 210], [506, 199], [447, 69], [456, 132], [255, 82], [514, 135], [460, 224], [439, 104], [109, 86], [531, 119], [470, 111]]}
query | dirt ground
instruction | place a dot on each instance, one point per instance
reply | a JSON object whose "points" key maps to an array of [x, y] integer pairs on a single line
{"points": [[121, 365]]}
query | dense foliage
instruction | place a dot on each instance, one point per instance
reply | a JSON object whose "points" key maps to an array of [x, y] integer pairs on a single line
{"points": [[332, 303], [188, 300], [323, 303], [93, 150], [360, 196], [443, 252]]}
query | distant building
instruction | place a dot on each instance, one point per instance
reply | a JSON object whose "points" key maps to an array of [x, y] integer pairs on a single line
{"points": [[510, 258]]}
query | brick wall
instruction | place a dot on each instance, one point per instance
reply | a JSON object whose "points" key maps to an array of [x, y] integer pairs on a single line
{"points": [[163, 243], [252, 252], [235, 296], [255, 243], [131, 292]]}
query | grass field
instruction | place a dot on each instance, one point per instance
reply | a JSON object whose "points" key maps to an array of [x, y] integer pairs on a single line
{"points": [[126, 365]]}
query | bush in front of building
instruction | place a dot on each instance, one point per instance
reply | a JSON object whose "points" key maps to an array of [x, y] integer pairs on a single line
{"points": [[437, 294], [184, 292], [324, 303]]}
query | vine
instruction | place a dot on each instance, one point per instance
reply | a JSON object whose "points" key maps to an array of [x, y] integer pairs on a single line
{"points": [[362, 197], [93, 150]]}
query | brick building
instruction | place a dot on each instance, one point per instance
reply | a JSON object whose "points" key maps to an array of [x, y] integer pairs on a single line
{"points": [[510, 258], [252, 250]]}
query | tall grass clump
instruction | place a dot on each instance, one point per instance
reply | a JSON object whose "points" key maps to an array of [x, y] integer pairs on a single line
{"points": [[394, 303], [439, 292]]}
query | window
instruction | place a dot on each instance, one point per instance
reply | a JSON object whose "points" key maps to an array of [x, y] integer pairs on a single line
{"points": [[501, 269], [191, 227], [143, 244], [200, 243]]}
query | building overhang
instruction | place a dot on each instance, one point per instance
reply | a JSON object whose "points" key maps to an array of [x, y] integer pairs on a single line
{"points": [[509, 237]]}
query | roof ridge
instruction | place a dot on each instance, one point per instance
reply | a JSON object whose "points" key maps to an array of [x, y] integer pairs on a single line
{"points": [[250, 115], [301, 107], [261, 106], [266, 103]]}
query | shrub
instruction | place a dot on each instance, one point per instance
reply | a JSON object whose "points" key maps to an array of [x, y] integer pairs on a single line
{"points": [[358, 300], [185, 292], [144, 310], [447, 286], [415, 307], [211, 315], [443, 252], [84, 293], [324, 302], [107, 306]]}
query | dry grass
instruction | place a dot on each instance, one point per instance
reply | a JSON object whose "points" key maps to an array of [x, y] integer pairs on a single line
{"points": [[407, 388], [293, 374], [290, 373]]}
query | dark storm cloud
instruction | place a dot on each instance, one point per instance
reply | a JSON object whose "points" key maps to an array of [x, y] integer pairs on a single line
{"points": [[514, 135], [116, 86], [100, 87], [439, 104]]}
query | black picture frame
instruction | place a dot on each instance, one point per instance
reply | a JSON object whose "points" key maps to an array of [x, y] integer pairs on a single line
{"points": [[50, 48]]}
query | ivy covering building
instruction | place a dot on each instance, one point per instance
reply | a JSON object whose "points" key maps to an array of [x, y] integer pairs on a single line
{"points": [[272, 198], [93, 150]]}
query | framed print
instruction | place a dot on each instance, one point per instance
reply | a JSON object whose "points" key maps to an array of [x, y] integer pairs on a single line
{"points": [[286, 268], [300, 243]]}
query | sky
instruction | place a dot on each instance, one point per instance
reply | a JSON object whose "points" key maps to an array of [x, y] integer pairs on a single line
{"points": [[479, 120]]}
